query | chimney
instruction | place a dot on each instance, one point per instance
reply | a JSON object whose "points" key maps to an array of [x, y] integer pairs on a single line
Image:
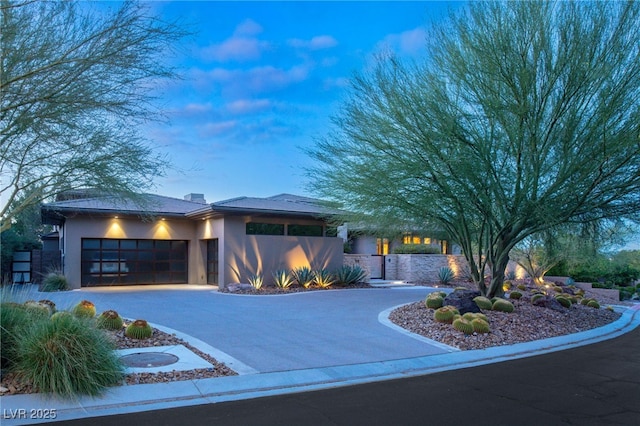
{"points": [[196, 198]]}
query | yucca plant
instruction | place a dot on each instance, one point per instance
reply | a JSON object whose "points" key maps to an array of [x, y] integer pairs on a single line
{"points": [[445, 275], [323, 278], [350, 275], [256, 281], [303, 276], [282, 278]]}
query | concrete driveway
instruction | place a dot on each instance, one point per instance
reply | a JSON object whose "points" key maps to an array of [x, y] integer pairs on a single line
{"points": [[271, 333]]}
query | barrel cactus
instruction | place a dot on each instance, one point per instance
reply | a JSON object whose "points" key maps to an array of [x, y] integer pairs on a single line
{"points": [[139, 329], [463, 325], [515, 295], [564, 301], [434, 301], [49, 303], [521, 287], [109, 320], [60, 315], [480, 325], [503, 305], [445, 314], [41, 309], [482, 302], [84, 309], [593, 304]]}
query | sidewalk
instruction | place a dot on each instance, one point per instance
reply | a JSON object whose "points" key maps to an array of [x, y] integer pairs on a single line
{"points": [[22, 409]]}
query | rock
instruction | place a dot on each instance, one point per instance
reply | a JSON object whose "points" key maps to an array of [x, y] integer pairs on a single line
{"points": [[3, 389], [549, 302], [463, 300]]}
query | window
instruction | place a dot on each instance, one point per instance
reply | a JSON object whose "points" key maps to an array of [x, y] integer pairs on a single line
{"points": [[305, 230], [114, 262], [254, 228], [212, 261]]}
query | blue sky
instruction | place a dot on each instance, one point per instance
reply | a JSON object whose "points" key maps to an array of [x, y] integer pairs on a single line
{"points": [[261, 81]]}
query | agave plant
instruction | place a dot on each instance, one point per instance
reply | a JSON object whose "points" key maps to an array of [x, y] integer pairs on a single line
{"points": [[282, 278], [445, 275], [349, 275], [303, 276], [256, 281], [323, 278]]}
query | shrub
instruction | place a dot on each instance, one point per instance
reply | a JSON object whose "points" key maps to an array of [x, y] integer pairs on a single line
{"points": [[417, 249], [14, 318], [139, 329], [503, 305], [282, 278], [54, 281], [323, 278], [109, 320], [256, 281], [349, 275], [445, 275], [84, 309], [67, 357], [303, 276]]}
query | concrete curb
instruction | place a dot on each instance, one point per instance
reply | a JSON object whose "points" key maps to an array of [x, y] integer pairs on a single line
{"points": [[128, 399]]}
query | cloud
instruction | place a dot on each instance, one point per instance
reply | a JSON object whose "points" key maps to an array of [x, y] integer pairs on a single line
{"points": [[247, 106], [216, 128], [248, 27], [331, 83], [245, 82], [411, 42], [316, 43], [242, 46]]}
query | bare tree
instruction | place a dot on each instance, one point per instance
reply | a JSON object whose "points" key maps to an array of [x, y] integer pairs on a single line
{"points": [[523, 116], [76, 83]]}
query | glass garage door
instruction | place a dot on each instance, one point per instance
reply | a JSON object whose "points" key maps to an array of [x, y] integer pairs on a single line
{"points": [[121, 262]]}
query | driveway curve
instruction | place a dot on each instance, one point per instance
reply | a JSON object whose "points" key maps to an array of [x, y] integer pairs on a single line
{"points": [[275, 332]]}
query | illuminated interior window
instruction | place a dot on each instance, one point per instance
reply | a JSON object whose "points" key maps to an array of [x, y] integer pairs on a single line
{"points": [[427, 240]]}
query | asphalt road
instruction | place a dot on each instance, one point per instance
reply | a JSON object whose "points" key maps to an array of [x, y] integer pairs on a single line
{"points": [[597, 384]]}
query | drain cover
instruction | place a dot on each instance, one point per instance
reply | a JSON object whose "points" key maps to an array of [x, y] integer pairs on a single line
{"points": [[148, 359]]}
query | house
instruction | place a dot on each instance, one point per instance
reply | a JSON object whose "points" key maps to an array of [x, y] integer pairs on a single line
{"points": [[104, 240]]}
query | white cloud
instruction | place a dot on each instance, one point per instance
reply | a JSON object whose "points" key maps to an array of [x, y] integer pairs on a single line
{"points": [[216, 128], [411, 42], [247, 106], [240, 82], [316, 43], [242, 46], [248, 27]]}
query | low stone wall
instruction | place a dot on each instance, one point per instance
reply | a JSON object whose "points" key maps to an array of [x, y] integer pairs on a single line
{"points": [[416, 268], [361, 260]]}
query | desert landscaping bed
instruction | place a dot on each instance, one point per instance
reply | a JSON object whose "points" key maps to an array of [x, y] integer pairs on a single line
{"points": [[15, 386], [527, 322]]}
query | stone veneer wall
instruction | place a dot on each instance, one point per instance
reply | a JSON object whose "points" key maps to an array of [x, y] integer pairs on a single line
{"points": [[361, 260], [416, 268]]}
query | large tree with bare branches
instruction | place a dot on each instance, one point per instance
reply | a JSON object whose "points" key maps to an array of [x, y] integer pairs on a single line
{"points": [[523, 116], [76, 82]]}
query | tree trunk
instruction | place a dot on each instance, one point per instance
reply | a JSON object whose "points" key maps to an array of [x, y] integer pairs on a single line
{"points": [[497, 276]]}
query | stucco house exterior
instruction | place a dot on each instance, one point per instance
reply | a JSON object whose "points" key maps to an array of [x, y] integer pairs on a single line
{"points": [[163, 240]]}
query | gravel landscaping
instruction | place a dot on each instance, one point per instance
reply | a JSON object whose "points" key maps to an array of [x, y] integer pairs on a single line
{"points": [[526, 323], [14, 385]]}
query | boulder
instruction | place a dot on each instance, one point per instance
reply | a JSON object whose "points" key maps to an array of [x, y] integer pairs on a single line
{"points": [[463, 301]]}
